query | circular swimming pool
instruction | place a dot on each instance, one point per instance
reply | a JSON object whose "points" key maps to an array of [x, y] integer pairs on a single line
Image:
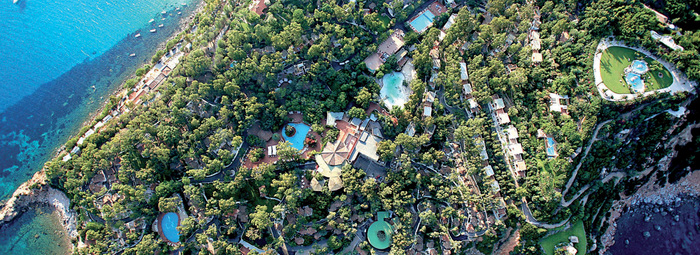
{"points": [[169, 225]]}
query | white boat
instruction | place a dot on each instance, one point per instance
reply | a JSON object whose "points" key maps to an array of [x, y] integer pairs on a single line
{"points": [[151, 21], [162, 19], [15, 1], [132, 55], [184, 4], [163, 12], [153, 30], [161, 25], [179, 13], [177, 9], [138, 35]]}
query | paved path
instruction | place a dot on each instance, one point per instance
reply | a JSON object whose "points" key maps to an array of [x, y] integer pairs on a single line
{"points": [[583, 158], [585, 188], [680, 80]]}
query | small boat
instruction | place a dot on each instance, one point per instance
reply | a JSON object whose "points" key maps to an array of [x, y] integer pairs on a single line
{"points": [[151, 21], [177, 9], [138, 35], [162, 19], [163, 12], [132, 55], [153, 30], [179, 13], [161, 25], [184, 4]]}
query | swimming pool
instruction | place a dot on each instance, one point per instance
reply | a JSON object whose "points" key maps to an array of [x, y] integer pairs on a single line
{"points": [[635, 82], [393, 92], [550, 147], [423, 21], [639, 67], [297, 140], [169, 225]]}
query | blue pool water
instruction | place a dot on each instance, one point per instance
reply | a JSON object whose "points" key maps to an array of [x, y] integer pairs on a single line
{"points": [[169, 226], [550, 147], [639, 66], [635, 82], [393, 92], [423, 21], [297, 140]]}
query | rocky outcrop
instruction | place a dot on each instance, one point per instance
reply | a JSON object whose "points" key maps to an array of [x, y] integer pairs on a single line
{"points": [[37, 191]]}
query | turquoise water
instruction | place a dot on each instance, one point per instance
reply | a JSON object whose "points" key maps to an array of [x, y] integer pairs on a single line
{"points": [[550, 147], [34, 232], [297, 140], [639, 66], [635, 82], [423, 21], [169, 226], [393, 92], [59, 61]]}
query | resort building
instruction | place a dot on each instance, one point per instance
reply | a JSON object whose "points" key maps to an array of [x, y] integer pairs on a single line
{"points": [[558, 103], [450, 21], [387, 48], [425, 18], [332, 117], [356, 144], [258, 6], [666, 40]]}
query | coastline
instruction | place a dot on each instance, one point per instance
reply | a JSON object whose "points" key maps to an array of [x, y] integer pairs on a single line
{"points": [[37, 191], [120, 91]]}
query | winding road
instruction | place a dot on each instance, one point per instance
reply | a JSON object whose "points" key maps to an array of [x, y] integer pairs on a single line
{"points": [[585, 154]]}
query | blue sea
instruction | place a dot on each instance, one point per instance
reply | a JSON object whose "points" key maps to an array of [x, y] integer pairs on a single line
{"points": [[59, 62]]}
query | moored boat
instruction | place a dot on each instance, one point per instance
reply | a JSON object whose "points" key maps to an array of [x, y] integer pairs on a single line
{"points": [[153, 30], [161, 25], [138, 35], [151, 21], [132, 55]]}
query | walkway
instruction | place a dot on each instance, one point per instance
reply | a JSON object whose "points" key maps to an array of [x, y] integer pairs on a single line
{"points": [[585, 154], [680, 80]]}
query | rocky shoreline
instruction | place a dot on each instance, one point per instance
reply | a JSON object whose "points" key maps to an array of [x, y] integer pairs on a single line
{"points": [[37, 192], [652, 199]]}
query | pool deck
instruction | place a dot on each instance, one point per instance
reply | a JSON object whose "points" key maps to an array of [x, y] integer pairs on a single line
{"points": [[436, 8], [160, 228], [295, 118], [680, 80]]}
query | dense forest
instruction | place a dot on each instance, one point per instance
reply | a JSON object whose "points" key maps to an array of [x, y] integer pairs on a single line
{"points": [[163, 154]]}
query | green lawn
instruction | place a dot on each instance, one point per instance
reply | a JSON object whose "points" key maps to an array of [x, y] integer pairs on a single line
{"points": [[612, 66], [386, 20], [549, 242]]}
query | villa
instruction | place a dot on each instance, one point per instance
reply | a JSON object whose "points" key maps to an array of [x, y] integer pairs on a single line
{"points": [[450, 21], [258, 7], [387, 48], [666, 40], [558, 103], [425, 18]]}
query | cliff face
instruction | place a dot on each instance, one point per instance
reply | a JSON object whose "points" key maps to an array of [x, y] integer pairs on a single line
{"points": [[36, 191]]}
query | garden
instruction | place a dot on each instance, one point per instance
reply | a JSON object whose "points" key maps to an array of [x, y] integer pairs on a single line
{"points": [[614, 61], [548, 243]]}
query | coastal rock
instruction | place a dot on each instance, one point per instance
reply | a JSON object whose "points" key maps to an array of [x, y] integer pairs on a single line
{"points": [[676, 218], [36, 191], [646, 234]]}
